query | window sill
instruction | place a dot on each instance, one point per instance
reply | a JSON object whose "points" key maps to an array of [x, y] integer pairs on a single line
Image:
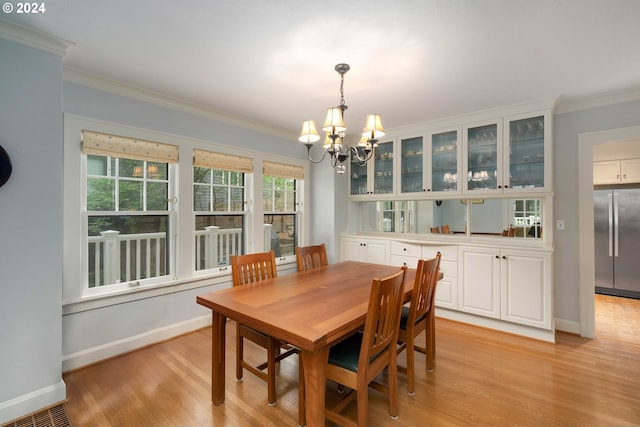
{"points": [[93, 302]]}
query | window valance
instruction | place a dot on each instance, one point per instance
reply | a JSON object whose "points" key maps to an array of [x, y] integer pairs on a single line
{"points": [[209, 159], [103, 144], [283, 170]]}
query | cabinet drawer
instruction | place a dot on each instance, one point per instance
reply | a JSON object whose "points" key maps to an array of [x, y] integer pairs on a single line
{"points": [[400, 260], [449, 253], [406, 249], [449, 268]]}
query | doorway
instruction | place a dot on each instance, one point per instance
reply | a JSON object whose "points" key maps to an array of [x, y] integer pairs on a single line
{"points": [[587, 141]]}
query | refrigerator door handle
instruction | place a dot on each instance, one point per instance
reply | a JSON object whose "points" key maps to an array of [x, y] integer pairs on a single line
{"points": [[615, 224], [610, 224]]}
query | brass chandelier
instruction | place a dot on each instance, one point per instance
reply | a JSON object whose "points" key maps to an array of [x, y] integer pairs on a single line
{"points": [[335, 129]]}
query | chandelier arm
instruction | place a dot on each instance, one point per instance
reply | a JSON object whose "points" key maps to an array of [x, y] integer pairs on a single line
{"points": [[309, 154], [361, 161]]}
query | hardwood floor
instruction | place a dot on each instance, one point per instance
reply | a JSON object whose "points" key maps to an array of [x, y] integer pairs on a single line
{"points": [[482, 378]]}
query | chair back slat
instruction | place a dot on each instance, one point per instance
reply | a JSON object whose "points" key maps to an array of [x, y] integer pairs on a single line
{"points": [[310, 257], [424, 287], [251, 268], [383, 317]]}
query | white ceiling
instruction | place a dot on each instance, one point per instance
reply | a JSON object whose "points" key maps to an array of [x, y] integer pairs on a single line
{"points": [[271, 62]]}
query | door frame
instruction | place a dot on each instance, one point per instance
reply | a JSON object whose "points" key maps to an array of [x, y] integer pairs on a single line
{"points": [[586, 141]]}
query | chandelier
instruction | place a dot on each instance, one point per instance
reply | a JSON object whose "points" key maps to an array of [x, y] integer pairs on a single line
{"points": [[335, 132]]}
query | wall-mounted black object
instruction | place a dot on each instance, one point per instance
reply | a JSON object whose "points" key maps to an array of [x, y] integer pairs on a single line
{"points": [[5, 166]]}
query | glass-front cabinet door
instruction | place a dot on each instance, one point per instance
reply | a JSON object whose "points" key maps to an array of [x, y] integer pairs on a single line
{"points": [[383, 168], [483, 159], [527, 153], [412, 165], [445, 157], [376, 176]]}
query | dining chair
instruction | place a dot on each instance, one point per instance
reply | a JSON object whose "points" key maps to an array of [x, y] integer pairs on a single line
{"points": [[435, 230], [419, 317], [445, 229], [246, 269], [310, 257], [357, 360]]}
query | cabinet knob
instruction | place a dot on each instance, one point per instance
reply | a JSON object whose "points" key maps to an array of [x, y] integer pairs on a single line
{"points": [[506, 186], [404, 249], [504, 257], [499, 186], [424, 189], [497, 256]]}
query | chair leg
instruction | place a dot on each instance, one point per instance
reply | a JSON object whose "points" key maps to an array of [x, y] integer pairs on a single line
{"points": [[431, 342], [411, 386], [301, 406], [239, 354], [393, 389], [362, 397], [272, 351]]}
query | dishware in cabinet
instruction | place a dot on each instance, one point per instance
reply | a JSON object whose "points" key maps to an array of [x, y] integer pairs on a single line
{"points": [[527, 152], [376, 177], [412, 165], [482, 162], [444, 167]]}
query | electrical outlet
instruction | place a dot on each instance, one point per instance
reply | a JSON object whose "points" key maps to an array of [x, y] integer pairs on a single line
{"points": [[560, 224]]}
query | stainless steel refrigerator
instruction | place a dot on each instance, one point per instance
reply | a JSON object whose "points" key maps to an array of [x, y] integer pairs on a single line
{"points": [[617, 241]]}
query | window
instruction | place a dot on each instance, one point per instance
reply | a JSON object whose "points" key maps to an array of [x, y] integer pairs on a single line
{"points": [[219, 206], [281, 195], [127, 209]]}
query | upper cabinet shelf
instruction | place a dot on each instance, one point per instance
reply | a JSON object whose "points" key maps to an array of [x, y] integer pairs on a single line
{"points": [[506, 155]]}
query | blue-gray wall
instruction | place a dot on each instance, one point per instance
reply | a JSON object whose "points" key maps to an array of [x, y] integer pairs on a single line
{"points": [[30, 231]]}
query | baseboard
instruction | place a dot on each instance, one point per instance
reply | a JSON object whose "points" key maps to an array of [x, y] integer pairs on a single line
{"points": [[32, 402], [115, 348], [568, 326]]}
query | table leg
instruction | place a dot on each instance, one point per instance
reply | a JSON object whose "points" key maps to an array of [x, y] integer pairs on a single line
{"points": [[218, 334], [314, 365]]}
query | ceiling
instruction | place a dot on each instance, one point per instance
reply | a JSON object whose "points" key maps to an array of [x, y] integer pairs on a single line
{"points": [[271, 62]]}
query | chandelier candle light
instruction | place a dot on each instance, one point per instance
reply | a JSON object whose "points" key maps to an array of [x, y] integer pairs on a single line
{"points": [[335, 131]]}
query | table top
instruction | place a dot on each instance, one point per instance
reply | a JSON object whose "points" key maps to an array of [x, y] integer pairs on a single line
{"points": [[310, 309]]}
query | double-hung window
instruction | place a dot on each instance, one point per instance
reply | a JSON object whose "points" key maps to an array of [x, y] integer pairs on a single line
{"points": [[127, 210], [219, 194], [281, 186]]}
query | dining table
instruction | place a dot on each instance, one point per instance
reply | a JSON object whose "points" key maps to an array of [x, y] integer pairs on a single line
{"points": [[310, 310]]}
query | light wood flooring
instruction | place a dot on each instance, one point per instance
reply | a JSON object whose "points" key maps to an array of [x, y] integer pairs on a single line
{"points": [[482, 378]]}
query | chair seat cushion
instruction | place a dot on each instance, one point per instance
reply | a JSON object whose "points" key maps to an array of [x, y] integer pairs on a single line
{"points": [[347, 352], [404, 317]]}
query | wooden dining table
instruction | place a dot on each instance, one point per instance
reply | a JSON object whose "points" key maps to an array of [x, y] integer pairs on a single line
{"points": [[311, 310]]}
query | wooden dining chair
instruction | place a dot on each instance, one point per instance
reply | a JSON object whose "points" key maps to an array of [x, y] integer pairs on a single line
{"points": [[246, 269], [419, 317], [435, 230], [445, 229], [310, 257], [357, 360]]}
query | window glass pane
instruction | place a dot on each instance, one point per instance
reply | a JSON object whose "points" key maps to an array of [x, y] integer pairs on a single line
{"points": [[220, 177], [101, 194], [237, 179], [290, 200], [218, 237], [157, 170], [267, 201], [237, 199], [220, 199], [97, 165], [130, 168], [157, 194], [284, 238], [140, 251], [201, 198], [201, 175], [130, 196]]}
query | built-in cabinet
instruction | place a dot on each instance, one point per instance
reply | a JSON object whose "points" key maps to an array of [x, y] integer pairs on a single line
{"points": [[616, 172], [506, 284], [505, 155], [510, 285]]}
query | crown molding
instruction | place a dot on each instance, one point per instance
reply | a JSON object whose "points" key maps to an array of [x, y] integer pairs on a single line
{"points": [[32, 38], [95, 81], [567, 105]]}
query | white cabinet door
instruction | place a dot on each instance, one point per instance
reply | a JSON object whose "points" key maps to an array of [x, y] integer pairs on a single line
{"points": [[606, 172], [364, 250], [630, 170], [526, 288], [479, 281]]}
